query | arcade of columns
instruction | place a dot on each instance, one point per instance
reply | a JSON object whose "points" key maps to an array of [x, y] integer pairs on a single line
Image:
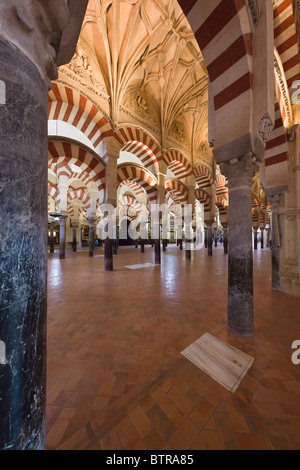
{"points": [[156, 104]]}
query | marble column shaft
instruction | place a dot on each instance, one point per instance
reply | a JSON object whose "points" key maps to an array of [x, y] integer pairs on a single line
{"points": [[209, 241], [255, 239], [91, 238], [62, 237], [240, 259], [23, 268], [51, 239], [225, 240], [74, 239], [108, 250]]}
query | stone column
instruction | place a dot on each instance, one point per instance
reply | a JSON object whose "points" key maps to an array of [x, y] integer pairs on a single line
{"points": [[187, 232], [240, 261], [62, 236], [115, 247], [225, 239], [91, 222], [268, 238], [51, 228], [209, 237], [255, 238], [205, 237], [157, 252], [75, 227], [262, 237], [27, 67], [143, 227], [275, 204], [216, 237], [108, 248]]}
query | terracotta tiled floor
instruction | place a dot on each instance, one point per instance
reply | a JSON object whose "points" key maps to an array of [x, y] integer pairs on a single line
{"points": [[117, 380]]}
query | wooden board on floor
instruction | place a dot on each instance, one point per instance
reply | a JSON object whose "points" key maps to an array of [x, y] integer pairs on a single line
{"points": [[224, 363]]}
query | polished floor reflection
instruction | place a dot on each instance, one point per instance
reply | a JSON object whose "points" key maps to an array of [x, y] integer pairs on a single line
{"points": [[117, 380]]}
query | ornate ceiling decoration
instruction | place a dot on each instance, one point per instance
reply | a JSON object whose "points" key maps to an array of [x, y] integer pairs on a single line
{"points": [[140, 60]]}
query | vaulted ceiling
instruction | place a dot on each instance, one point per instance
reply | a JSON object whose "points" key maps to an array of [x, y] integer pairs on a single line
{"points": [[144, 66]]}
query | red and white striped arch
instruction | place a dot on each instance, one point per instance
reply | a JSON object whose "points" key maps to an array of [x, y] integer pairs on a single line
{"points": [[222, 190], [286, 40], [81, 195], [255, 216], [204, 177], [62, 154], [53, 194], [224, 33], [129, 206], [134, 186], [276, 147], [222, 205], [68, 105], [71, 211], [204, 198], [178, 164], [141, 176], [142, 145], [176, 191]]}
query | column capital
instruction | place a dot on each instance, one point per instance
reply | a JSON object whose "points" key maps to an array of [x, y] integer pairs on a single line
{"points": [[36, 28], [91, 220], [75, 223], [63, 218], [240, 171], [274, 196]]}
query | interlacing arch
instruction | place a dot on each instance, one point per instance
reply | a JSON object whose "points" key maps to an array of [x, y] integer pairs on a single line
{"points": [[63, 154], [134, 186], [69, 105], [80, 194], [129, 206], [176, 191], [255, 216], [204, 177], [139, 175], [178, 164], [222, 190], [80, 210], [222, 205], [204, 198], [141, 144]]}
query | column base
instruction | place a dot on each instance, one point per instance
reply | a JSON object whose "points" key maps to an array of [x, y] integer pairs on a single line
{"points": [[240, 332]]}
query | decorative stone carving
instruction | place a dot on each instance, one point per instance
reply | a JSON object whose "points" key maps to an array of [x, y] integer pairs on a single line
{"points": [[240, 171], [137, 104], [35, 28], [82, 72], [178, 131], [265, 127], [296, 5], [254, 10], [285, 96]]}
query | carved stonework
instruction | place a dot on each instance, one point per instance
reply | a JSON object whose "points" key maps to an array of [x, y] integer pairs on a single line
{"points": [[265, 127], [137, 105], [80, 70], [296, 5], [285, 96], [240, 172], [32, 25], [254, 10], [178, 131], [204, 153], [62, 73]]}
